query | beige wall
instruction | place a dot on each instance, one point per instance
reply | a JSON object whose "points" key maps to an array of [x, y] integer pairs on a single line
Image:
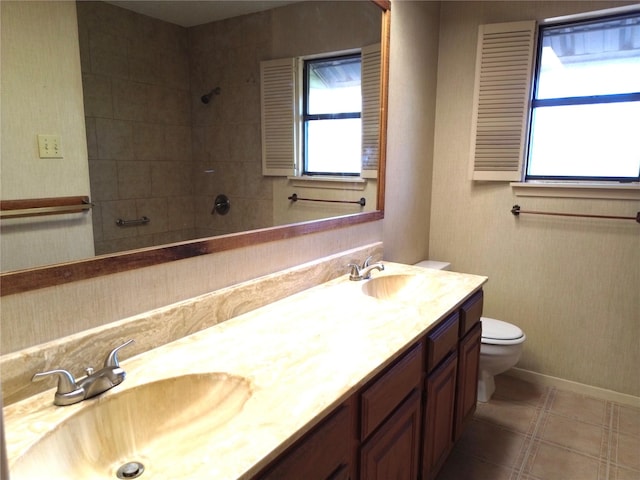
{"points": [[39, 38], [570, 284], [412, 90]]}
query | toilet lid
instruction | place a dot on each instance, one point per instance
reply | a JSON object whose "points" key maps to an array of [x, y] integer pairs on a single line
{"points": [[499, 332]]}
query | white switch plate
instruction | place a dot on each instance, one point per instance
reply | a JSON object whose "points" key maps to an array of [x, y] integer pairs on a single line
{"points": [[49, 146]]}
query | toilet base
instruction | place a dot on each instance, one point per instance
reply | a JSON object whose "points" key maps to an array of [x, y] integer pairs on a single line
{"points": [[486, 386]]}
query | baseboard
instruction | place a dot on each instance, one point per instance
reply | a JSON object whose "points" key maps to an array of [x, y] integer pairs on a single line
{"points": [[581, 388]]}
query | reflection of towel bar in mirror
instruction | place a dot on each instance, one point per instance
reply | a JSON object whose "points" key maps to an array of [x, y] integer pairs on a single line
{"points": [[294, 198], [132, 223], [33, 207]]}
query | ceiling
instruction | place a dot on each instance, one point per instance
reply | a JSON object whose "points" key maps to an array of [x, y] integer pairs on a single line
{"points": [[188, 13]]}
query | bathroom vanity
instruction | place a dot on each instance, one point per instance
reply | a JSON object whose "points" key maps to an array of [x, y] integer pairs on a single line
{"points": [[404, 420], [367, 379]]}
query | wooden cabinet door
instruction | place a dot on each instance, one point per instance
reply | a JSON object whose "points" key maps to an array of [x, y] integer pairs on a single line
{"points": [[439, 416], [467, 391], [393, 451], [325, 453]]}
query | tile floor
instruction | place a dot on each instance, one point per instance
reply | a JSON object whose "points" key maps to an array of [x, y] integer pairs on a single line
{"points": [[527, 432]]}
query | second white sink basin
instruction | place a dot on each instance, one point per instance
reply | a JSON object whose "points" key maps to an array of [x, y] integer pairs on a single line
{"points": [[161, 425]]}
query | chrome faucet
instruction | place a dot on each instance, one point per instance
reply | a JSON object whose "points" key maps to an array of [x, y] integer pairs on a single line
{"points": [[72, 391], [364, 272]]}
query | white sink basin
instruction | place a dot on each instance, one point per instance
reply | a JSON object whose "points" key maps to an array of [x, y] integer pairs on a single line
{"points": [[160, 424], [401, 287]]}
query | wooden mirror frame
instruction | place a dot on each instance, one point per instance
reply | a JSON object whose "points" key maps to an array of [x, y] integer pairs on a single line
{"points": [[35, 278]]}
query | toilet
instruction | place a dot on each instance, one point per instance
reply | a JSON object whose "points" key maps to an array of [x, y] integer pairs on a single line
{"points": [[501, 346], [500, 350]]}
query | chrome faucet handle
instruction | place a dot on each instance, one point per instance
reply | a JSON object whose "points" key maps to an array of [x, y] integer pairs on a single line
{"points": [[354, 274], [66, 382], [112, 359]]}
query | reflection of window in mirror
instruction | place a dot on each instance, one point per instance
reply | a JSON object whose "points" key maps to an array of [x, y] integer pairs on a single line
{"points": [[331, 116], [320, 114]]}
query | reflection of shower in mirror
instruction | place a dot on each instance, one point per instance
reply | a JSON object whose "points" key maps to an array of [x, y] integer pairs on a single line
{"points": [[207, 97]]}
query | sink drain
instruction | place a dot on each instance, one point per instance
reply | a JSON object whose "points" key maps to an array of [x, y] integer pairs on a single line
{"points": [[130, 470]]}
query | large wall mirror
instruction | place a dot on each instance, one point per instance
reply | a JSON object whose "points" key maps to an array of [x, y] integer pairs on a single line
{"points": [[167, 110]]}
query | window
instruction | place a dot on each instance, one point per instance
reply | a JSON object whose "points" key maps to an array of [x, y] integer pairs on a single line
{"points": [[321, 116], [331, 116], [585, 111]]}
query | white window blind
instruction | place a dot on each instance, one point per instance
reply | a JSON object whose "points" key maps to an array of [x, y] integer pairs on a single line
{"points": [[279, 116], [504, 66], [370, 110]]}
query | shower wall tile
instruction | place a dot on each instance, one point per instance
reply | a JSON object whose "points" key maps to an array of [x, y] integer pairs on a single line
{"points": [[148, 141], [171, 178], [104, 179], [156, 210], [114, 139], [98, 99], [177, 143], [138, 113], [131, 100], [92, 140], [134, 179], [181, 214]]}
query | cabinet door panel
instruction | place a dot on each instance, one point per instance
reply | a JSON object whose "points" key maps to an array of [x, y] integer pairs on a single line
{"points": [[324, 453], [387, 392], [438, 425], [467, 391], [392, 452]]}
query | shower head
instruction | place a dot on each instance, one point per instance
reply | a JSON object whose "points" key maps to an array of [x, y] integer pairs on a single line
{"points": [[207, 97]]}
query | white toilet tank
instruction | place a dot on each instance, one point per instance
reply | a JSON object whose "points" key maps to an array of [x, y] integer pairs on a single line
{"points": [[434, 265]]}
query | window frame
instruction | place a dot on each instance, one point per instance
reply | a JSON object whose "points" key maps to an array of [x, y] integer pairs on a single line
{"points": [[567, 101], [305, 116]]}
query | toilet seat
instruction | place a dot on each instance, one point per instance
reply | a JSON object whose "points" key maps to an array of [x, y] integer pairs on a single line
{"points": [[497, 332]]}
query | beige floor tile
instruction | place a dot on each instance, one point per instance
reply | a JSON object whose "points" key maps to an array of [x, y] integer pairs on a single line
{"points": [[556, 463], [629, 421], [579, 407], [620, 473], [515, 390], [628, 452], [461, 466], [491, 443], [579, 436], [512, 416]]}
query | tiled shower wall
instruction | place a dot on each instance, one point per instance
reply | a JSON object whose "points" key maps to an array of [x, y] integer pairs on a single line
{"points": [[155, 149], [138, 120], [226, 131]]}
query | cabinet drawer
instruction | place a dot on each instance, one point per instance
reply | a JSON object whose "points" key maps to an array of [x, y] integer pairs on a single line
{"points": [[324, 453], [470, 313], [388, 390], [442, 340]]}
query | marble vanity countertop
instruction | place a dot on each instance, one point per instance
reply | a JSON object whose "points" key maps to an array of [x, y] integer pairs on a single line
{"points": [[301, 357]]}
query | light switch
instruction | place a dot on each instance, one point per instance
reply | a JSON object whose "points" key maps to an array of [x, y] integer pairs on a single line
{"points": [[49, 146]]}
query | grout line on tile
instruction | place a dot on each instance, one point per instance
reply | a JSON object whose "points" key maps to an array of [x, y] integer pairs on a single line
{"points": [[530, 445], [605, 456]]}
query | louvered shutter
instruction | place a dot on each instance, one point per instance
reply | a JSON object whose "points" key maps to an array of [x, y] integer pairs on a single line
{"points": [[277, 92], [504, 66], [370, 110]]}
